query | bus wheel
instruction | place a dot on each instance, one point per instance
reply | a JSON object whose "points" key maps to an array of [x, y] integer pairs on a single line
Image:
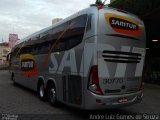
{"points": [[52, 95], [41, 91]]}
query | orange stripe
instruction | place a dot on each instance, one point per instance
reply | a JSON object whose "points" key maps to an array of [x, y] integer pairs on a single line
{"points": [[56, 42], [132, 32]]}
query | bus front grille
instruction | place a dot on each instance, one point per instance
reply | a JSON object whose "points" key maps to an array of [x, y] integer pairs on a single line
{"points": [[121, 57]]}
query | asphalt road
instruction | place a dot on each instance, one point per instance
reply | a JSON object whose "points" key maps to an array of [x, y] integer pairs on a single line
{"points": [[21, 103]]}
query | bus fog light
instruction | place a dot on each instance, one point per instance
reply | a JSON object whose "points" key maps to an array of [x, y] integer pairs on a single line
{"points": [[93, 87]]}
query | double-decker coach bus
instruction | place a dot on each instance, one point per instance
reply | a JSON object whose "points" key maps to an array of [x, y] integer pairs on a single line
{"points": [[91, 60]]}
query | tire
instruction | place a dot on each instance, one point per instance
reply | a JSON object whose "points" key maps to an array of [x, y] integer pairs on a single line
{"points": [[41, 91], [52, 95]]}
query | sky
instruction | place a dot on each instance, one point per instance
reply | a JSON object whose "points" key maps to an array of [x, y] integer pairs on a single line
{"points": [[25, 17]]}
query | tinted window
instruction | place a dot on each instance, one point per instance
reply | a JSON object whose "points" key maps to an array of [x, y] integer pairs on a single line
{"points": [[72, 37], [15, 52], [89, 23]]}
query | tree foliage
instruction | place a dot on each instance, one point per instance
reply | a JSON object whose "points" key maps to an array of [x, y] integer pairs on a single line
{"points": [[138, 7]]}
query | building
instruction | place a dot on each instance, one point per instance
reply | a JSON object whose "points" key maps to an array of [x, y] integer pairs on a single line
{"points": [[13, 39], [56, 20], [4, 50]]}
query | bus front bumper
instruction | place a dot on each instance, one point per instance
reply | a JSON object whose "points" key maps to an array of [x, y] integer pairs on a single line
{"points": [[93, 101]]}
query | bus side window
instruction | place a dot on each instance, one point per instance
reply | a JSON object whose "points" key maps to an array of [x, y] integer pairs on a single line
{"points": [[22, 50], [38, 49], [76, 32], [43, 36], [74, 35], [33, 45], [16, 52], [29, 49], [70, 39], [89, 24], [56, 32], [44, 47], [33, 49]]}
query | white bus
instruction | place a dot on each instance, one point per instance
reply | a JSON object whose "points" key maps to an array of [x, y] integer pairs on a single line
{"points": [[91, 60]]}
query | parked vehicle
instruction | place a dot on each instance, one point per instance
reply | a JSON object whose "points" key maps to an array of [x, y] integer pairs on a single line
{"points": [[92, 60]]}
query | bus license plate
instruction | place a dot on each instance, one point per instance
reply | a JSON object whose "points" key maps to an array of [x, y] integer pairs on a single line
{"points": [[123, 100]]}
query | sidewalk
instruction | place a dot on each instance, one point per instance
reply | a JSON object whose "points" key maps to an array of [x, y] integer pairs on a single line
{"points": [[4, 67]]}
